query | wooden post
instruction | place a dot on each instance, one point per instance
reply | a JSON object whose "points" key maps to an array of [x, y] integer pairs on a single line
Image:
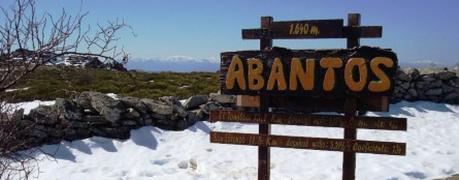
{"points": [[264, 159], [350, 105]]}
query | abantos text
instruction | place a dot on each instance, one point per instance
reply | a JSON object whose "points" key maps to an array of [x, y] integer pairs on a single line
{"points": [[309, 74]]}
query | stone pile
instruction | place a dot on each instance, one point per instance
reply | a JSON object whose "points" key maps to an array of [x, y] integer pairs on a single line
{"points": [[96, 114], [442, 86]]}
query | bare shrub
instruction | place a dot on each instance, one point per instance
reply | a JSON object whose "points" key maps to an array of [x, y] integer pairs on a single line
{"points": [[29, 40]]}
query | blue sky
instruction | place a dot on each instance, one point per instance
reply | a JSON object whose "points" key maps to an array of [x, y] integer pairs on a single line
{"points": [[416, 30]]}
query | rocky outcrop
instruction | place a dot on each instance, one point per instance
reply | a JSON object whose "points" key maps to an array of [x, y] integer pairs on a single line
{"points": [[411, 85], [96, 114]]}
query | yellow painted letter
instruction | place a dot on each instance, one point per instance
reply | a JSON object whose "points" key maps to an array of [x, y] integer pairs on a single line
{"points": [[384, 82], [235, 73], [348, 74], [306, 76], [330, 63], [277, 76], [256, 81]]}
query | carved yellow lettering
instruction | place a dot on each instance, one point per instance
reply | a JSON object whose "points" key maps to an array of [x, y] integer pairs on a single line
{"points": [[384, 82], [298, 29], [277, 76], [235, 73], [349, 75], [314, 31], [255, 80], [331, 64], [305, 75]]}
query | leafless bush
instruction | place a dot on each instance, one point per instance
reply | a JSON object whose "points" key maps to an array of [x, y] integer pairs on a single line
{"points": [[29, 40], [13, 164]]}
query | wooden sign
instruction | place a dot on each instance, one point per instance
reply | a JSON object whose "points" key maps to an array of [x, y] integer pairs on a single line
{"points": [[315, 104], [314, 73], [358, 146], [298, 30], [311, 29], [386, 123], [299, 82]]}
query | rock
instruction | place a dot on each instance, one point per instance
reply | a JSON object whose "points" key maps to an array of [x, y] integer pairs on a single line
{"points": [[134, 103], [44, 115], [129, 123], [434, 92], [180, 111], [405, 85], [131, 114], [17, 115], [452, 97], [428, 77], [201, 115], [446, 88], [414, 73], [420, 84], [83, 133], [68, 110], [106, 106], [445, 75], [170, 100], [223, 98], [70, 134], [119, 132], [77, 124], [403, 76], [37, 133], [83, 100], [158, 107], [95, 120], [195, 101], [211, 106], [454, 82], [413, 93], [187, 122], [168, 124], [434, 84]]}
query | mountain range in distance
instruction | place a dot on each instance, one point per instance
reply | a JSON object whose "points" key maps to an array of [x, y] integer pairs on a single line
{"points": [[174, 64], [191, 64]]}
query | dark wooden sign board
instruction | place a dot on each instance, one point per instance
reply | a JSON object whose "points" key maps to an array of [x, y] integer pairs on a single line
{"points": [[326, 144], [383, 123], [281, 71], [346, 98]]}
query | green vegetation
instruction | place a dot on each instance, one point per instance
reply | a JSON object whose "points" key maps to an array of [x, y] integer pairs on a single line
{"points": [[48, 83]]}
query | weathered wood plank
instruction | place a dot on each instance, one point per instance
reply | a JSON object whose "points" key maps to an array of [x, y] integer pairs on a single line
{"points": [[363, 31], [364, 122], [311, 104], [327, 144]]}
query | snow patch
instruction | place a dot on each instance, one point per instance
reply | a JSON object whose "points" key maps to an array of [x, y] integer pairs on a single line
{"points": [[152, 153]]}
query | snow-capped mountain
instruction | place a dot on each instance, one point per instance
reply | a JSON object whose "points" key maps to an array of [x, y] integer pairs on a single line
{"points": [[174, 63]]}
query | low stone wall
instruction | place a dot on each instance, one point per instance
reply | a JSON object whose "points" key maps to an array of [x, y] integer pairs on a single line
{"points": [[442, 86], [96, 114]]}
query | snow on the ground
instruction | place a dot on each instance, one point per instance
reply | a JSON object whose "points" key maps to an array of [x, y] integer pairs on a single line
{"points": [[18, 89], [152, 153], [27, 106]]}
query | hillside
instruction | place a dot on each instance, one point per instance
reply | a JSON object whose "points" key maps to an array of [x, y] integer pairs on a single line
{"points": [[49, 83]]}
